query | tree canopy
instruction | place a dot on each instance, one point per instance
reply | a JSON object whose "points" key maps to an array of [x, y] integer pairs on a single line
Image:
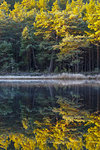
{"points": [[64, 31]]}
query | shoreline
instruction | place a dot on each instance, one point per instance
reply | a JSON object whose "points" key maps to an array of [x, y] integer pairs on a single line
{"points": [[62, 76]]}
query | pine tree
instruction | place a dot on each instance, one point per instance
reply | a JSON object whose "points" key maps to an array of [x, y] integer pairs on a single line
{"points": [[28, 48], [92, 17], [6, 57]]}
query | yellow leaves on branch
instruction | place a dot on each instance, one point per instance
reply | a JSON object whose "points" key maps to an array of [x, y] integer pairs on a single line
{"points": [[4, 10], [29, 4], [92, 17], [4, 7], [42, 4], [19, 13], [76, 7], [25, 10], [55, 6], [71, 42], [25, 33]]}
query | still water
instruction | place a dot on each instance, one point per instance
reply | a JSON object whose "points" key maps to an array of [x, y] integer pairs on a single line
{"points": [[44, 115]]}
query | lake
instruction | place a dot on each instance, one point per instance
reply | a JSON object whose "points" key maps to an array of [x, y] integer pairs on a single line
{"points": [[50, 115]]}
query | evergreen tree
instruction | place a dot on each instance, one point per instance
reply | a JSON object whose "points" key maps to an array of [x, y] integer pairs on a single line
{"points": [[28, 49], [92, 17], [6, 57]]}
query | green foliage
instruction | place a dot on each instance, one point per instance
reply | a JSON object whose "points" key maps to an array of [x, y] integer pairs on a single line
{"points": [[6, 56], [28, 49]]}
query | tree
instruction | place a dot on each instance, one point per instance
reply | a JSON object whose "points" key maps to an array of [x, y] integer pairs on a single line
{"points": [[72, 32], [6, 57], [28, 48], [4, 10], [19, 13], [92, 17], [44, 29]]}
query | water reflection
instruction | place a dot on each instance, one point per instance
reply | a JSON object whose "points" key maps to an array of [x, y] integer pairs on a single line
{"points": [[40, 117]]}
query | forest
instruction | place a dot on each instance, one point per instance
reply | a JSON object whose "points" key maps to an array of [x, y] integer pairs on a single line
{"points": [[49, 36]]}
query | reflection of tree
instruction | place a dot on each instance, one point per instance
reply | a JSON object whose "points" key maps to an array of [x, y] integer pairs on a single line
{"points": [[74, 129], [43, 107], [20, 141], [71, 132], [92, 137], [4, 141], [5, 102], [67, 132]]}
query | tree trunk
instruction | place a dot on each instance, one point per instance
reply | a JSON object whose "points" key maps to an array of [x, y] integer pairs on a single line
{"points": [[34, 60], [98, 57], [77, 64], [92, 59], [89, 59], [85, 62], [28, 64]]}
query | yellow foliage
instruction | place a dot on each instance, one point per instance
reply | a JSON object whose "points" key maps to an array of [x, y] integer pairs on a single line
{"points": [[55, 6], [4, 7], [19, 13], [29, 4], [70, 42], [42, 4], [92, 137], [25, 33], [76, 7], [92, 16], [4, 10], [4, 142]]}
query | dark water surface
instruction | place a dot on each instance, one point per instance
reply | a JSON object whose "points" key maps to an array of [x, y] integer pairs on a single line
{"points": [[51, 115]]}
